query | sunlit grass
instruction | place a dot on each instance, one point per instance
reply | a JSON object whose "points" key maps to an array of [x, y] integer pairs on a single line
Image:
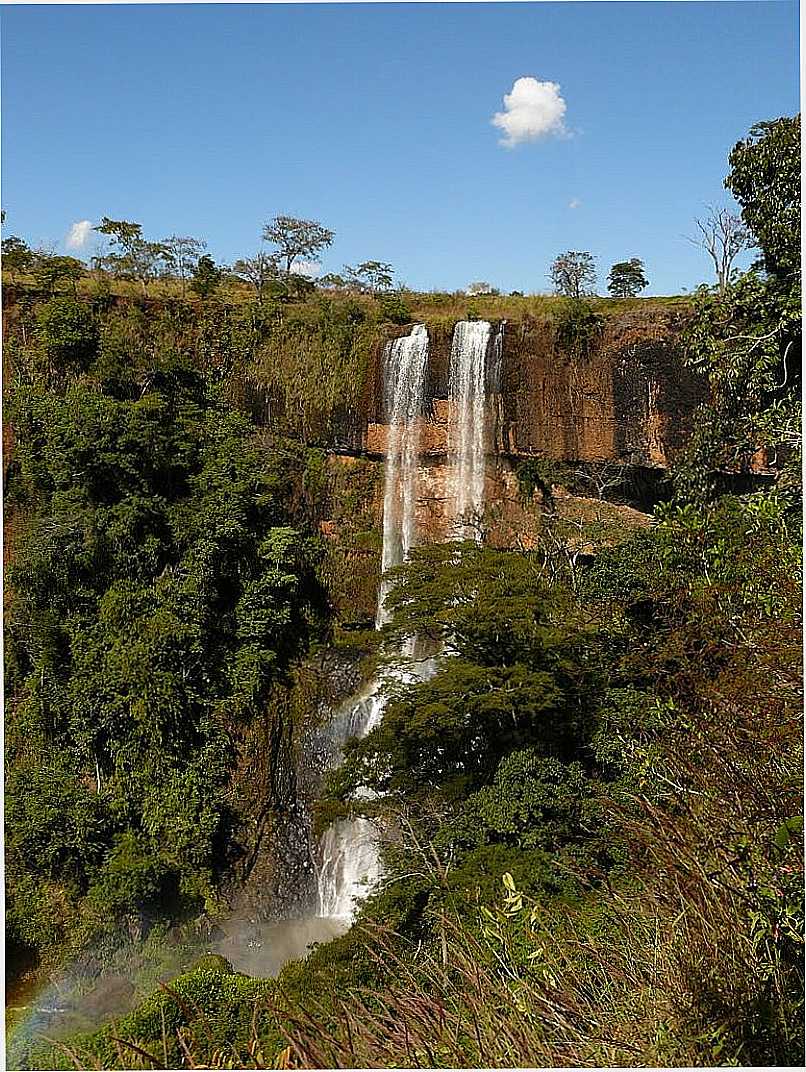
{"points": [[437, 308]]}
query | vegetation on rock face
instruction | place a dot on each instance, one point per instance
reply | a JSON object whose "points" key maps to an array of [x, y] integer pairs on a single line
{"points": [[160, 586], [577, 326], [591, 813]]}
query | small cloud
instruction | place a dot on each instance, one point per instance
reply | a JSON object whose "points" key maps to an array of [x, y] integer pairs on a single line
{"points": [[310, 269], [78, 234], [532, 110], [574, 202]]}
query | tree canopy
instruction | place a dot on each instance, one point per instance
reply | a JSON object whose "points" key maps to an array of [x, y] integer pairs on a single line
{"points": [[765, 178], [296, 239], [627, 278]]}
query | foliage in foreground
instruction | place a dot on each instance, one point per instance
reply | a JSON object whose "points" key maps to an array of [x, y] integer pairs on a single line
{"points": [[652, 902]]}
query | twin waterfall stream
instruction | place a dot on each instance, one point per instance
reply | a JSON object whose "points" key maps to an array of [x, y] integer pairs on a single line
{"points": [[349, 864]]}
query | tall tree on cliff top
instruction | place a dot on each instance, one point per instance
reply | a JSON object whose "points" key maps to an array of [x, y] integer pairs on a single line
{"points": [[297, 239], [723, 236], [627, 278], [132, 257], [574, 274]]}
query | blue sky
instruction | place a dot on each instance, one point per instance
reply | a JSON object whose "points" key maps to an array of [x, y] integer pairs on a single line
{"points": [[376, 119]]}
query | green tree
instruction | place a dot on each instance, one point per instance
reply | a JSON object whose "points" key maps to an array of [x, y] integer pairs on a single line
{"points": [[509, 676], [18, 258], [68, 334], [133, 257], [206, 277], [50, 270], [765, 179], [332, 279], [296, 239], [574, 274], [747, 342], [747, 338], [374, 276], [159, 595], [395, 308], [627, 278]]}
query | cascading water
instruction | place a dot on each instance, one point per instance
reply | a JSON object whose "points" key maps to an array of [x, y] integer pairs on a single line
{"points": [[404, 380], [349, 860], [349, 857], [467, 396]]}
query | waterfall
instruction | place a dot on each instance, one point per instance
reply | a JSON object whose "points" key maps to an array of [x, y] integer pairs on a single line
{"points": [[349, 859], [405, 362], [349, 856], [350, 866], [349, 863], [467, 411]]}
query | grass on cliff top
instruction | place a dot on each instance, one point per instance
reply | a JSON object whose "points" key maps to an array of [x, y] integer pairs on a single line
{"points": [[435, 308], [438, 308]]}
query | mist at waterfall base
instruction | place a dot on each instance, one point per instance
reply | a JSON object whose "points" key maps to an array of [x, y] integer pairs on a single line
{"points": [[348, 857]]}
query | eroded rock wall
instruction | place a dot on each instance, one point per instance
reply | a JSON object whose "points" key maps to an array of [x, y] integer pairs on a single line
{"points": [[625, 396]]}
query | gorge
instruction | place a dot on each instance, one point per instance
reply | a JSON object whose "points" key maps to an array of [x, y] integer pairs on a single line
{"points": [[402, 678]]}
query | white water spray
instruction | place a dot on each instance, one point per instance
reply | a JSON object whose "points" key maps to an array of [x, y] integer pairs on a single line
{"points": [[467, 410]]}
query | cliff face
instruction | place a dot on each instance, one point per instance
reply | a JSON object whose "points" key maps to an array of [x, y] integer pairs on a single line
{"points": [[622, 401], [625, 396]]}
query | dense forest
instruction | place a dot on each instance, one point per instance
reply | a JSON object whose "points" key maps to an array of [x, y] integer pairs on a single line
{"points": [[590, 816]]}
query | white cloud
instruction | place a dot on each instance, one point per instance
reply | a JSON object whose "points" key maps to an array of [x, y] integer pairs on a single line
{"points": [[532, 110], [310, 269], [574, 202], [78, 234]]}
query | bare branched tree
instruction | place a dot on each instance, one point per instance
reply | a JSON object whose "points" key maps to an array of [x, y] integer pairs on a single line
{"points": [[574, 274], [602, 476], [257, 270], [723, 236]]}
